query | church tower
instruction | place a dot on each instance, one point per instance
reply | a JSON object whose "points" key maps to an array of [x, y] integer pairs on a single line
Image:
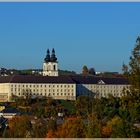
{"points": [[50, 65]]}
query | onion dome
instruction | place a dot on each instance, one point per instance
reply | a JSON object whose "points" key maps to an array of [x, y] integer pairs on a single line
{"points": [[47, 58], [53, 57]]}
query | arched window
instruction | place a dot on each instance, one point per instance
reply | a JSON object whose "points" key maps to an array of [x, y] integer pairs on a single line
{"points": [[54, 67]]}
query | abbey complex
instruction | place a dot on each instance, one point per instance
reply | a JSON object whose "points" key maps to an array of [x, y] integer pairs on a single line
{"points": [[50, 84]]}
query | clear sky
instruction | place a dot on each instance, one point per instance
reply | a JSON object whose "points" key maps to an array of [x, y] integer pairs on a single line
{"points": [[99, 35]]}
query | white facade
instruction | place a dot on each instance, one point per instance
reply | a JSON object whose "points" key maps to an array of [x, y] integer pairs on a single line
{"points": [[50, 69], [54, 90], [101, 90], [66, 91]]}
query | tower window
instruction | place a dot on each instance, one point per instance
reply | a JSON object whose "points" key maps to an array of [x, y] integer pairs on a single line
{"points": [[54, 67]]}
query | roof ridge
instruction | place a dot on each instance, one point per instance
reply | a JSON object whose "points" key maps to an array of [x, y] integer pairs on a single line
{"points": [[11, 78]]}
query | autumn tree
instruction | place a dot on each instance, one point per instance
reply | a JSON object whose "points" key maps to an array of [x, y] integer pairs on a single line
{"points": [[119, 128], [85, 70], [19, 127], [125, 70], [69, 129]]}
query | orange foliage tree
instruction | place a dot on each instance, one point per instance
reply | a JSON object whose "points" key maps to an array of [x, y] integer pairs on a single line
{"points": [[69, 129], [19, 126]]}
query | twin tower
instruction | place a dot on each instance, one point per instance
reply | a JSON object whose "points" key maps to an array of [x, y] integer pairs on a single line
{"points": [[50, 65]]}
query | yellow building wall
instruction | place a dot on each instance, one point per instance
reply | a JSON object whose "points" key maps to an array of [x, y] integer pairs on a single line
{"points": [[4, 92]]}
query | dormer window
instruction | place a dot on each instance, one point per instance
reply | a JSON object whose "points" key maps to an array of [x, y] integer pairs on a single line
{"points": [[101, 82]]}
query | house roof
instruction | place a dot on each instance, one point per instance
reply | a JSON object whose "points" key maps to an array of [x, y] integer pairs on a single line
{"points": [[99, 80], [10, 110], [63, 79], [35, 79], [2, 120]]}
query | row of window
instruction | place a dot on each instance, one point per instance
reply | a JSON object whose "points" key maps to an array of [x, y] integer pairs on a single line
{"points": [[106, 95], [49, 94], [38, 85], [102, 90], [107, 86], [58, 90]]}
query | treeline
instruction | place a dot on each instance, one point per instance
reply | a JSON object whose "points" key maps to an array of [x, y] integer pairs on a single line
{"points": [[101, 118], [87, 117]]}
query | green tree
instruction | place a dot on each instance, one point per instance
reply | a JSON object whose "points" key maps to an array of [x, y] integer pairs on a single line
{"points": [[130, 104], [52, 125], [83, 105], [134, 71], [91, 71], [93, 127]]}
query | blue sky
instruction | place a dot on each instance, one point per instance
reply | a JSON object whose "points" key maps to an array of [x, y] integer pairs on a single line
{"points": [[99, 35]]}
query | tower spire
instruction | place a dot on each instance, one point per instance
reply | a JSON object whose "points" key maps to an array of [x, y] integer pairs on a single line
{"points": [[53, 57], [47, 58]]}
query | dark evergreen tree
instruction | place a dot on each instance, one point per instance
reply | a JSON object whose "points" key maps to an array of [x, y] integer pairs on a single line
{"points": [[91, 71]]}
